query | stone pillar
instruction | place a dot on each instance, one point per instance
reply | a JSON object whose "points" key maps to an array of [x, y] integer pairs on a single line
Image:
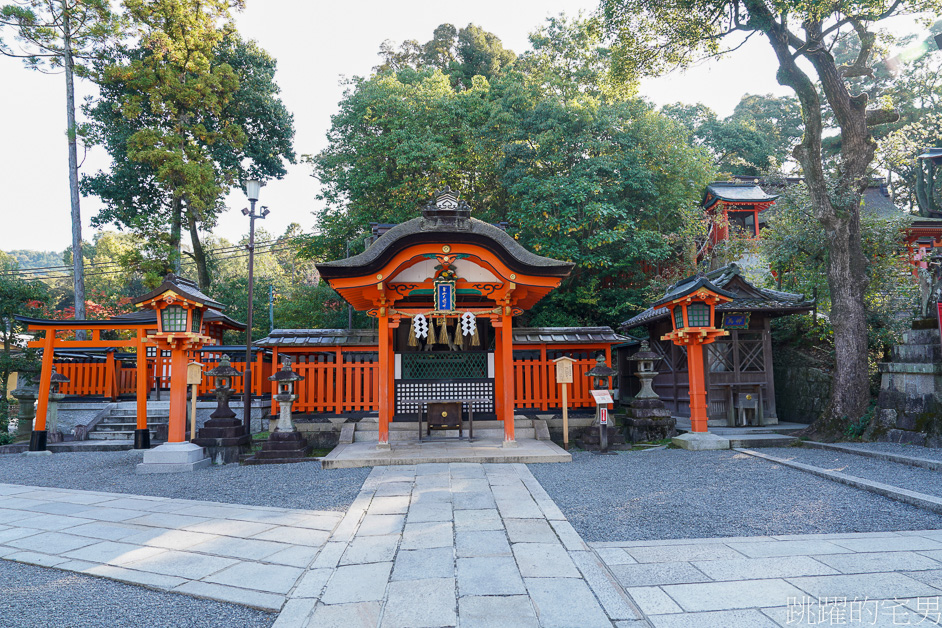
{"points": [[223, 435]]}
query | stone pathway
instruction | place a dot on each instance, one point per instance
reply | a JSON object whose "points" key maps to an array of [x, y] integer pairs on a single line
{"points": [[470, 545], [244, 554], [460, 544], [864, 579]]}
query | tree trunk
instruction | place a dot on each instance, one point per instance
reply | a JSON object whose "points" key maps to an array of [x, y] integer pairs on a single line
{"points": [[199, 255], [78, 265], [176, 224], [846, 269]]}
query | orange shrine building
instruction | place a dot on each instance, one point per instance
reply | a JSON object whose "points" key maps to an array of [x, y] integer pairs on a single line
{"points": [[443, 288]]}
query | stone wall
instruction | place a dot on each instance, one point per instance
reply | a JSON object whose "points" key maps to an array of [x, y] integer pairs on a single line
{"points": [[801, 392]]}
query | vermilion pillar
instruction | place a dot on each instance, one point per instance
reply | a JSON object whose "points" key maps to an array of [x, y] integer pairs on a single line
{"points": [[176, 432], [506, 358], [385, 374], [698, 407], [42, 402], [141, 434]]}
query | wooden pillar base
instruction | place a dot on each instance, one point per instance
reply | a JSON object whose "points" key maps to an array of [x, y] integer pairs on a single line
{"points": [[142, 439], [37, 440]]}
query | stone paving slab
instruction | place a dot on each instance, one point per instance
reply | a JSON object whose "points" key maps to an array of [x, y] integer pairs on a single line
{"points": [[872, 579], [243, 554], [503, 556]]}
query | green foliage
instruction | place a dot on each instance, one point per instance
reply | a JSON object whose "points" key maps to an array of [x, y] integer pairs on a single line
{"points": [[36, 259], [17, 297], [917, 185], [185, 115], [758, 135], [549, 143], [797, 248]]}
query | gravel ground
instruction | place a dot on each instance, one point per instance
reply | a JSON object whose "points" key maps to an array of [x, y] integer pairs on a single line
{"points": [[892, 473], [301, 485], [35, 597], [674, 493], [914, 451]]}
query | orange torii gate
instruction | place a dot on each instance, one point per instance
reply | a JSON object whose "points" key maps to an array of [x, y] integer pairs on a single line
{"points": [[139, 325], [457, 283]]}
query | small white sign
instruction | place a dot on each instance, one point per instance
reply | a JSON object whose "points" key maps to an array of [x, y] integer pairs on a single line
{"points": [[602, 396], [603, 416]]}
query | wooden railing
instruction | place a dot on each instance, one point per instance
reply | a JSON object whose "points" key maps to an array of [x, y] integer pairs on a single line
{"points": [[111, 378], [535, 384], [331, 387], [334, 382]]}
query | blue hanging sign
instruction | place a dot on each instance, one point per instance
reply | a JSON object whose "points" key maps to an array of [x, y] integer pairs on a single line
{"points": [[736, 320], [445, 296]]}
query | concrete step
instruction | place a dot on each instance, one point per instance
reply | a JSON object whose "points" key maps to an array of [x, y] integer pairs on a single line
{"points": [[117, 435], [760, 440], [365, 436]]}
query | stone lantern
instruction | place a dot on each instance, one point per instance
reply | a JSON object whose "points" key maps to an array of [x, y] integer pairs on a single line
{"points": [[26, 393], [285, 443], [649, 419], [223, 435], [601, 375], [692, 304], [180, 307], [52, 411]]}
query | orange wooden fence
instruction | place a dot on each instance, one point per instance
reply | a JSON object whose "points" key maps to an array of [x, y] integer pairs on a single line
{"points": [[331, 387], [334, 381], [111, 377], [535, 384]]}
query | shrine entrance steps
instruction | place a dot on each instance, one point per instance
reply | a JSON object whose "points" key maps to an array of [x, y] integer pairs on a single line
{"points": [[778, 435], [121, 421], [368, 430], [532, 444]]}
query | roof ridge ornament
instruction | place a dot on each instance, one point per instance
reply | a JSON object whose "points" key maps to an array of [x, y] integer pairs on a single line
{"points": [[446, 209]]}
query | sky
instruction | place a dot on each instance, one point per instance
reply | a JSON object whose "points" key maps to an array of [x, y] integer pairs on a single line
{"points": [[316, 45]]}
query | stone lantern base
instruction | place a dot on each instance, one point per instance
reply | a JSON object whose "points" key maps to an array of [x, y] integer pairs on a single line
{"points": [[174, 458], [282, 447], [649, 420], [225, 440]]}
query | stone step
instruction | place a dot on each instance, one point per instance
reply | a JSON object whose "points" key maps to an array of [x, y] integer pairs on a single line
{"points": [[413, 434], [760, 440], [116, 435], [918, 353]]}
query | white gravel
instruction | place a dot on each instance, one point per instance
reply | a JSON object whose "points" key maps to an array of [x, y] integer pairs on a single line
{"points": [[39, 597], [301, 485], [674, 493]]}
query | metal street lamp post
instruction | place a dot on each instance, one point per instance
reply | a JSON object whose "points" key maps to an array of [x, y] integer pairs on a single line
{"points": [[252, 188]]}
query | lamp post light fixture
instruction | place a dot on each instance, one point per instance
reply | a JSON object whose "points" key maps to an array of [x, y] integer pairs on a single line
{"points": [[692, 304], [252, 189]]}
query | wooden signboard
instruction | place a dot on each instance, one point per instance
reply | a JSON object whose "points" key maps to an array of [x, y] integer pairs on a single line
{"points": [[194, 377], [564, 377], [564, 370]]}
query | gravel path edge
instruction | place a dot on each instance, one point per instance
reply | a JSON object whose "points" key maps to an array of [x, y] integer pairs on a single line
{"points": [[925, 463], [913, 498]]}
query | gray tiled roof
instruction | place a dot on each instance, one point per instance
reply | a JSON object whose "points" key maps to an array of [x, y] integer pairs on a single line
{"points": [[182, 286], [319, 338], [369, 337], [566, 335], [419, 229], [735, 192], [762, 299]]}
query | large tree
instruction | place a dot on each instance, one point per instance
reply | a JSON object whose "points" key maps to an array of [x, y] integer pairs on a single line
{"points": [[549, 143], [650, 35], [66, 35], [181, 134]]}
